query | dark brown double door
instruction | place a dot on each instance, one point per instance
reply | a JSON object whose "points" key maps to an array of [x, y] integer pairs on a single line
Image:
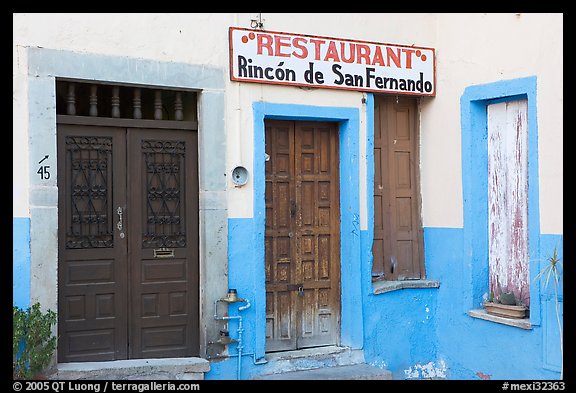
{"points": [[128, 243], [302, 238]]}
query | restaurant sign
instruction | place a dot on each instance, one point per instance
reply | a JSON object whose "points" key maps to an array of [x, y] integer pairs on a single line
{"points": [[303, 60]]}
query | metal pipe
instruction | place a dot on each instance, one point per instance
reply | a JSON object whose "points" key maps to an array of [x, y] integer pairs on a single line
{"points": [[254, 361], [242, 308], [239, 347], [240, 329]]}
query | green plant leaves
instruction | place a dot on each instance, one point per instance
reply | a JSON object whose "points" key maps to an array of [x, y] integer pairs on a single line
{"points": [[554, 269], [32, 341]]}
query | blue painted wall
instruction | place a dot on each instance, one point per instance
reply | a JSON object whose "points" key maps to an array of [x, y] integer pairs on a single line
{"points": [[399, 326], [420, 333], [415, 333], [424, 332], [246, 237], [21, 262]]}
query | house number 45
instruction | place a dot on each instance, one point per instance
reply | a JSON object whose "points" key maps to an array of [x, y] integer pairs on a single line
{"points": [[43, 169]]}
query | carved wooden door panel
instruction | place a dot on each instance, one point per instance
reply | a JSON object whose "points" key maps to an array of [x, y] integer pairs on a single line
{"points": [[302, 239], [128, 243]]}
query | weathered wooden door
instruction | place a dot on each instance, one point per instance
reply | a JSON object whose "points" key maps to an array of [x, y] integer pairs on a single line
{"points": [[398, 239], [302, 240], [128, 243], [508, 253]]}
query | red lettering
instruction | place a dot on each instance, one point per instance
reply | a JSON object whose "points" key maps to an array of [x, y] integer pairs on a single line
{"points": [[267, 44], [332, 52], [408, 57], [378, 59], [287, 46], [304, 51], [395, 57], [362, 52], [280, 42], [317, 44], [352, 53]]}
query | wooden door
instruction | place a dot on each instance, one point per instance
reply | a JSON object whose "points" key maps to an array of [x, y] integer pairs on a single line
{"points": [[398, 241], [128, 243], [508, 255], [302, 240], [92, 266], [163, 233]]}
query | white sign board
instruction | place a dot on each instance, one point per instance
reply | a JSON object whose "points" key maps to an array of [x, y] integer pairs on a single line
{"points": [[313, 61]]}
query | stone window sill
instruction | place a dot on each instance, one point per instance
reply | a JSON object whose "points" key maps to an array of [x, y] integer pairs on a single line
{"points": [[384, 286], [480, 313]]}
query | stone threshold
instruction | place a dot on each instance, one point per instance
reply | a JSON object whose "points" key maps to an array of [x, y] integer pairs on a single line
{"points": [[190, 368], [360, 371], [307, 353]]}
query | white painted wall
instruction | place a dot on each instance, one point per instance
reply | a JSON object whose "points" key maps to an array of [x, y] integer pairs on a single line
{"points": [[470, 49], [473, 49]]}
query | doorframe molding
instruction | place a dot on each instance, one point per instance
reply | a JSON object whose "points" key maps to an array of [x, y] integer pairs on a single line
{"points": [[295, 147], [474, 147], [348, 119], [43, 67]]}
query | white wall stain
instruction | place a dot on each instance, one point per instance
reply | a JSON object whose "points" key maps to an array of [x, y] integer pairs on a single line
{"points": [[430, 370]]}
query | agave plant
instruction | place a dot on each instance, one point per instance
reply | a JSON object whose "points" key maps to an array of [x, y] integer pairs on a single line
{"points": [[554, 270]]}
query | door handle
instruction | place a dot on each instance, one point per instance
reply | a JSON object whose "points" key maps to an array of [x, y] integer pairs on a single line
{"points": [[119, 224]]}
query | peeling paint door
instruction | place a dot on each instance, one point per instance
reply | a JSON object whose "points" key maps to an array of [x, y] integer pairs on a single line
{"points": [[508, 199], [128, 242], [302, 239]]}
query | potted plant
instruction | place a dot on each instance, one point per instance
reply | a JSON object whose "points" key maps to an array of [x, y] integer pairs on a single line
{"points": [[505, 305]]}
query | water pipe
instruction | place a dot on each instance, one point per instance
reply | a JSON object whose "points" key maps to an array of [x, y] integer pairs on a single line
{"points": [[240, 328], [239, 347]]}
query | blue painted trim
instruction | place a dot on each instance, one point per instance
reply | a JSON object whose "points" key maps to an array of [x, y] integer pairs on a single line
{"points": [[349, 123], [473, 110], [368, 257], [21, 262]]}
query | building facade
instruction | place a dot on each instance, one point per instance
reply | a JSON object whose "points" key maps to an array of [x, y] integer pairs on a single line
{"points": [[162, 160]]}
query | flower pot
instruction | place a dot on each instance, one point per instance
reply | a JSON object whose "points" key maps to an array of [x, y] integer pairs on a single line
{"points": [[505, 310]]}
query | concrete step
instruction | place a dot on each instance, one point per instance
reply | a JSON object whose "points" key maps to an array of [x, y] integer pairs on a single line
{"points": [[144, 369], [361, 371], [311, 358]]}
